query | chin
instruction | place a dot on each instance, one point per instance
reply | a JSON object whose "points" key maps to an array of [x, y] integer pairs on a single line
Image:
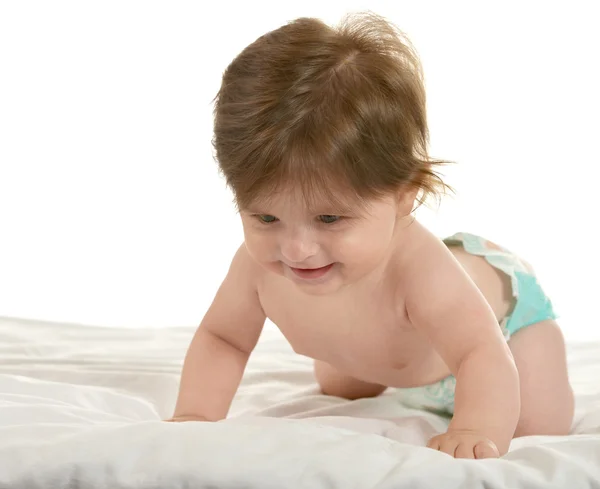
{"points": [[320, 289]]}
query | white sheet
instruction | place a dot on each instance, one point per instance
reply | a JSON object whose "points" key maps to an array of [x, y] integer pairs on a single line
{"points": [[81, 407]]}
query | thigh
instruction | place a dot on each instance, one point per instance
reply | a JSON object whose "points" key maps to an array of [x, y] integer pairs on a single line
{"points": [[546, 396]]}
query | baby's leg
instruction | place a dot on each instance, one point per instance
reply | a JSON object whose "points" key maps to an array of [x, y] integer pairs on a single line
{"points": [[547, 403], [538, 349], [335, 383]]}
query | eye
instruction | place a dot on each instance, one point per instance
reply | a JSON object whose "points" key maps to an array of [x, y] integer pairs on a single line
{"points": [[266, 218], [328, 218]]}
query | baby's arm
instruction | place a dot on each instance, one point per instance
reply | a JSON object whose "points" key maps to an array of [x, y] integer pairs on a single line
{"points": [[447, 306], [219, 351]]}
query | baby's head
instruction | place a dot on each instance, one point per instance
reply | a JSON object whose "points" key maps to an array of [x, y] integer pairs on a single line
{"points": [[312, 122]]}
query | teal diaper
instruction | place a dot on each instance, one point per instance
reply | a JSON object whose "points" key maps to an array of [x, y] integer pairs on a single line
{"points": [[530, 306]]}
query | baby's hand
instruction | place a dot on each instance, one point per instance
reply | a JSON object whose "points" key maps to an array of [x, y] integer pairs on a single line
{"points": [[464, 444]]}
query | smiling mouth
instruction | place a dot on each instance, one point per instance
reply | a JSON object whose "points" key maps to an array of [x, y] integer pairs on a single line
{"points": [[312, 273]]}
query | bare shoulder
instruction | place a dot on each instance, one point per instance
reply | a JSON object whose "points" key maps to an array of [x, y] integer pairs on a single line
{"points": [[448, 270], [432, 276], [443, 302], [244, 278], [244, 269], [235, 313], [426, 258]]}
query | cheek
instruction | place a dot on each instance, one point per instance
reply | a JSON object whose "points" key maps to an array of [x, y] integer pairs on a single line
{"points": [[263, 250], [259, 245], [364, 244]]}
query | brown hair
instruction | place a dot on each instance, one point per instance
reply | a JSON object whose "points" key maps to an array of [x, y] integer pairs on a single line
{"points": [[328, 110]]}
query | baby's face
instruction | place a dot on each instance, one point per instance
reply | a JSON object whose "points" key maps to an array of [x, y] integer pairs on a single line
{"points": [[321, 249]]}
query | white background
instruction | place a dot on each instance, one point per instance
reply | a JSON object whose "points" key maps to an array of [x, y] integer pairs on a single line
{"points": [[112, 211]]}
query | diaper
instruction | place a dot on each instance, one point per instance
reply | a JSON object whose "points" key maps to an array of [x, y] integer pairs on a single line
{"points": [[530, 306]]}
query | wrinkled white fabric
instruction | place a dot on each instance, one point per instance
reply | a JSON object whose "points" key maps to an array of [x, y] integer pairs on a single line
{"points": [[82, 406]]}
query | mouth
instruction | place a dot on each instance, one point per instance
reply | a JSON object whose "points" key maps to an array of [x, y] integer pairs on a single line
{"points": [[312, 273]]}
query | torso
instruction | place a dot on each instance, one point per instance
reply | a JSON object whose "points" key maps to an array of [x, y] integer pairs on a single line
{"points": [[368, 335], [365, 341]]}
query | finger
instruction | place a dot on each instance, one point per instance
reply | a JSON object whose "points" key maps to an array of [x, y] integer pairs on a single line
{"points": [[434, 443], [486, 449], [448, 445], [178, 419], [187, 417], [464, 450]]}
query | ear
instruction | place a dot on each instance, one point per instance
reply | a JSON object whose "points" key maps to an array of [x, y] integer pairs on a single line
{"points": [[406, 199]]}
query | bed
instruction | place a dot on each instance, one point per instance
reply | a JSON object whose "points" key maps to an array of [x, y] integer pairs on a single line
{"points": [[81, 406]]}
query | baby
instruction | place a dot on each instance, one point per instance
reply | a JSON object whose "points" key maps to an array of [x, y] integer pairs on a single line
{"points": [[321, 134]]}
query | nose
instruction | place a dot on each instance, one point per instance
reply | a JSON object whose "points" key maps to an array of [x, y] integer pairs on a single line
{"points": [[298, 246]]}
